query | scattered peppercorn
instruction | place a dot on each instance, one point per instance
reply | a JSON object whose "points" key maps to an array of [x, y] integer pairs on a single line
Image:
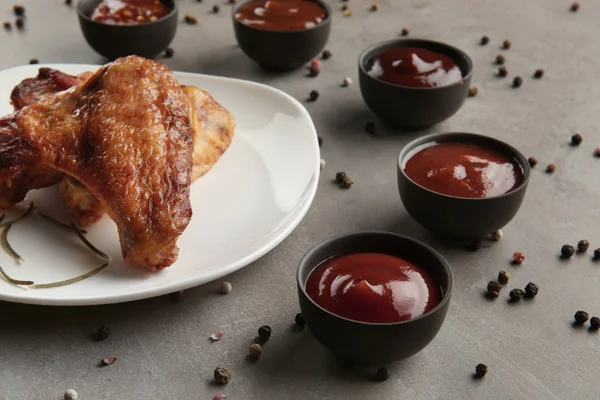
{"points": [[597, 254], [500, 59], [576, 139], [177, 296], [581, 317], [516, 295], [313, 95], [503, 277], [370, 128], [383, 374], [575, 6], [169, 52], [532, 161], [340, 176], [34, 61], [71, 394], [322, 163], [484, 40], [473, 91], [313, 71], [255, 351], [481, 370], [594, 323], [496, 236], [502, 71], [404, 32], [517, 82], [492, 294], [551, 168], [7, 25], [567, 251], [506, 44], [315, 63], [538, 74], [198, 1], [108, 361], [300, 323], [231, 1], [531, 290], [326, 55], [222, 375], [68, 2], [225, 287], [346, 183], [103, 333], [494, 286], [20, 23], [216, 9], [583, 246], [320, 140], [347, 13], [597, 151], [190, 19], [374, 7], [264, 333], [346, 82], [345, 7], [474, 245], [518, 257], [19, 10]]}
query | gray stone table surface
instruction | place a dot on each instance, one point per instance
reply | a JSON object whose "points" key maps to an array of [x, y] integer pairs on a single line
{"points": [[531, 348]]}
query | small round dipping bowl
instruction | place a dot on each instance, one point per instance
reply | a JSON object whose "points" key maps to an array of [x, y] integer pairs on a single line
{"points": [[113, 41], [374, 343], [282, 50], [414, 107], [459, 217]]}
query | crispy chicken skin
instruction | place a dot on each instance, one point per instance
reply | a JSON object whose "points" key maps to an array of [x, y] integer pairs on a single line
{"points": [[126, 135]]}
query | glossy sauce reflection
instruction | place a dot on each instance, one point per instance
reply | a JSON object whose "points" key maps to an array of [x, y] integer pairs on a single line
{"points": [[373, 287]]}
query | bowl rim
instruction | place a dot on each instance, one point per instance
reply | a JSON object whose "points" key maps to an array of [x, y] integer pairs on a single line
{"points": [[446, 267], [522, 160], [87, 18], [325, 6], [372, 48]]}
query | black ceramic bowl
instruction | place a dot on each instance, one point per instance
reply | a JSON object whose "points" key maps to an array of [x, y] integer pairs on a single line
{"points": [[412, 107], [374, 343], [282, 50], [113, 41], [459, 217]]}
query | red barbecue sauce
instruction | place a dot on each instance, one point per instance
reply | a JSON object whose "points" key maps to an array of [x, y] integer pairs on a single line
{"points": [[281, 15]]}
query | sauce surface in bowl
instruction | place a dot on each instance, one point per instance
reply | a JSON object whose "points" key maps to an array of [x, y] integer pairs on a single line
{"points": [[129, 12], [463, 170], [414, 67], [281, 15], [373, 287]]}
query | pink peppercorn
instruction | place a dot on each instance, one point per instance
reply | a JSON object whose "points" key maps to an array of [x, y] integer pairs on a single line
{"points": [[315, 64], [519, 257], [597, 152]]}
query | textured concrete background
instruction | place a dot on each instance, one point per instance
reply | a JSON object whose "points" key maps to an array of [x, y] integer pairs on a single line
{"points": [[531, 348]]}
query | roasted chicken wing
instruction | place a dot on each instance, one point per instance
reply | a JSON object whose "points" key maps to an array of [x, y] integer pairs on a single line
{"points": [[126, 135]]}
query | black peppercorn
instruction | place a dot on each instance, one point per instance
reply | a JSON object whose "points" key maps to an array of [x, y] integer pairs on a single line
{"points": [[500, 59], [473, 91], [19, 10], [576, 139], [551, 168], [494, 286], [374, 7], [313, 71], [370, 128], [575, 6], [313, 95], [383, 374], [594, 323], [502, 71], [481, 370], [583, 246], [474, 245], [231, 1], [20, 23], [531, 290], [222, 375], [7, 25], [532, 161], [346, 183], [581, 317], [169, 52], [345, 8], [340, 176], [300, 323], [264, 333], [404, 32], [216, 9], [492, 294], [190, 19], [103, 333], [538, 74], [484, 40], [506, 44], [567, 251], [516, 295], [503, 277], [517, 82], [34, 61], [326, 55], [320, 139], [68, 2], [597, 254]]}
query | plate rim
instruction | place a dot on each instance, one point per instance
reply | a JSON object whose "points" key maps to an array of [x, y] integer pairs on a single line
{"points": [[296, 215]]}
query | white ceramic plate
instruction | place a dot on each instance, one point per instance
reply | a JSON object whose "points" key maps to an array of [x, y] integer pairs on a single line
{"points": [[253, 198]]}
